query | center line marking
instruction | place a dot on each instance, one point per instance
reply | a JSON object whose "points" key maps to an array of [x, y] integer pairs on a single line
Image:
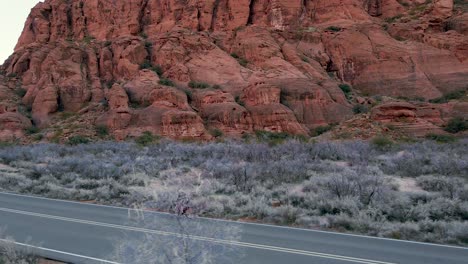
{"points": [[201, 238]]}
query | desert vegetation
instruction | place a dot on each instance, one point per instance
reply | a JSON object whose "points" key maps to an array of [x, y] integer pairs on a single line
{"points": [[182, 240], [416, 191], [11, 254]]}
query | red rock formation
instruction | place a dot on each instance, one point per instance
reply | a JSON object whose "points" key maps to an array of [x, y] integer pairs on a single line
{"points": [[409, 118], [277, 63]]}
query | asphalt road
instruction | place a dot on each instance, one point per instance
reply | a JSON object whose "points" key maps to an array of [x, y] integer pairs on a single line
{"points": [[85, 233]]}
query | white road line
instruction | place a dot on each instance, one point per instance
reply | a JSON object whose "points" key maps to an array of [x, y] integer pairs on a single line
{"points": [[200, 238], [238, 222], [58, 251]]}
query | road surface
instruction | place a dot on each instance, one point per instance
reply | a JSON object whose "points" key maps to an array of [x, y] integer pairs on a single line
{"points": [[85, 233]]}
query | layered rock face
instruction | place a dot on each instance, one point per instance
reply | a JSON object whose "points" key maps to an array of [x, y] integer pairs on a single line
{"points": [[183, 68]]}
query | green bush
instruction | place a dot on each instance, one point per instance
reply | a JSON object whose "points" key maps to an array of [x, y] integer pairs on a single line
{"points": [[267, 135], [382, 142], [198, 85], [235, 56], [239, 101], [345, 88], [334, 28], [146, 65], [158, 70], [32, 130], [393, 19], [102, 131], [87, 39], [275, 138], [216, 133], [321, 130], [148, 45], [456, 125], [242, 61], [166, 82], [38, 137], [441, 138], [21, 92], [447, 97], [360, 109], [144, 35], [77, 140], [146, 139]]}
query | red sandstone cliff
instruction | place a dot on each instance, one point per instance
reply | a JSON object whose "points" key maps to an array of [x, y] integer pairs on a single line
{"points": [[272, 65]]}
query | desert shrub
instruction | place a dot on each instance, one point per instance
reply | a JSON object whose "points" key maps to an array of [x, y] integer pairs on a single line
{"points": [[333, 28], [382, 142], [274, 138], [345, 88], [145, 65], [341, 185], [394, 18], [148, 45], [158, 70], [166, 82], [456, 125], [32, 130], [365, 186], [102, 131], [267, 135], [38, 137], [88, 39], [321, 130], [145, 139], [21, 92], [360, 109], [425, 158], [198, 85], [242, 61], [450, 186], [441, 138], [216, 133], [449, 96], [76, 140], [11, 254], [235, 56]]}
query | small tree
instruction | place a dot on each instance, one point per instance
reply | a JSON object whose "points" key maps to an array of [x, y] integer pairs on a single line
{"points": [[77, 140], [146, 139], [11, 254], [179, 239], [166, 82], [360, 109], [456, 125], [382, 142]]}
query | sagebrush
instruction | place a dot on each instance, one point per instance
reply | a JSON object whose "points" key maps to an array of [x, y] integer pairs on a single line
{"points": [[416, 191]]}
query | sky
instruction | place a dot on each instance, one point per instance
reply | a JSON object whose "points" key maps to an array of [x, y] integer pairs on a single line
{"points": [[13, 14]]}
